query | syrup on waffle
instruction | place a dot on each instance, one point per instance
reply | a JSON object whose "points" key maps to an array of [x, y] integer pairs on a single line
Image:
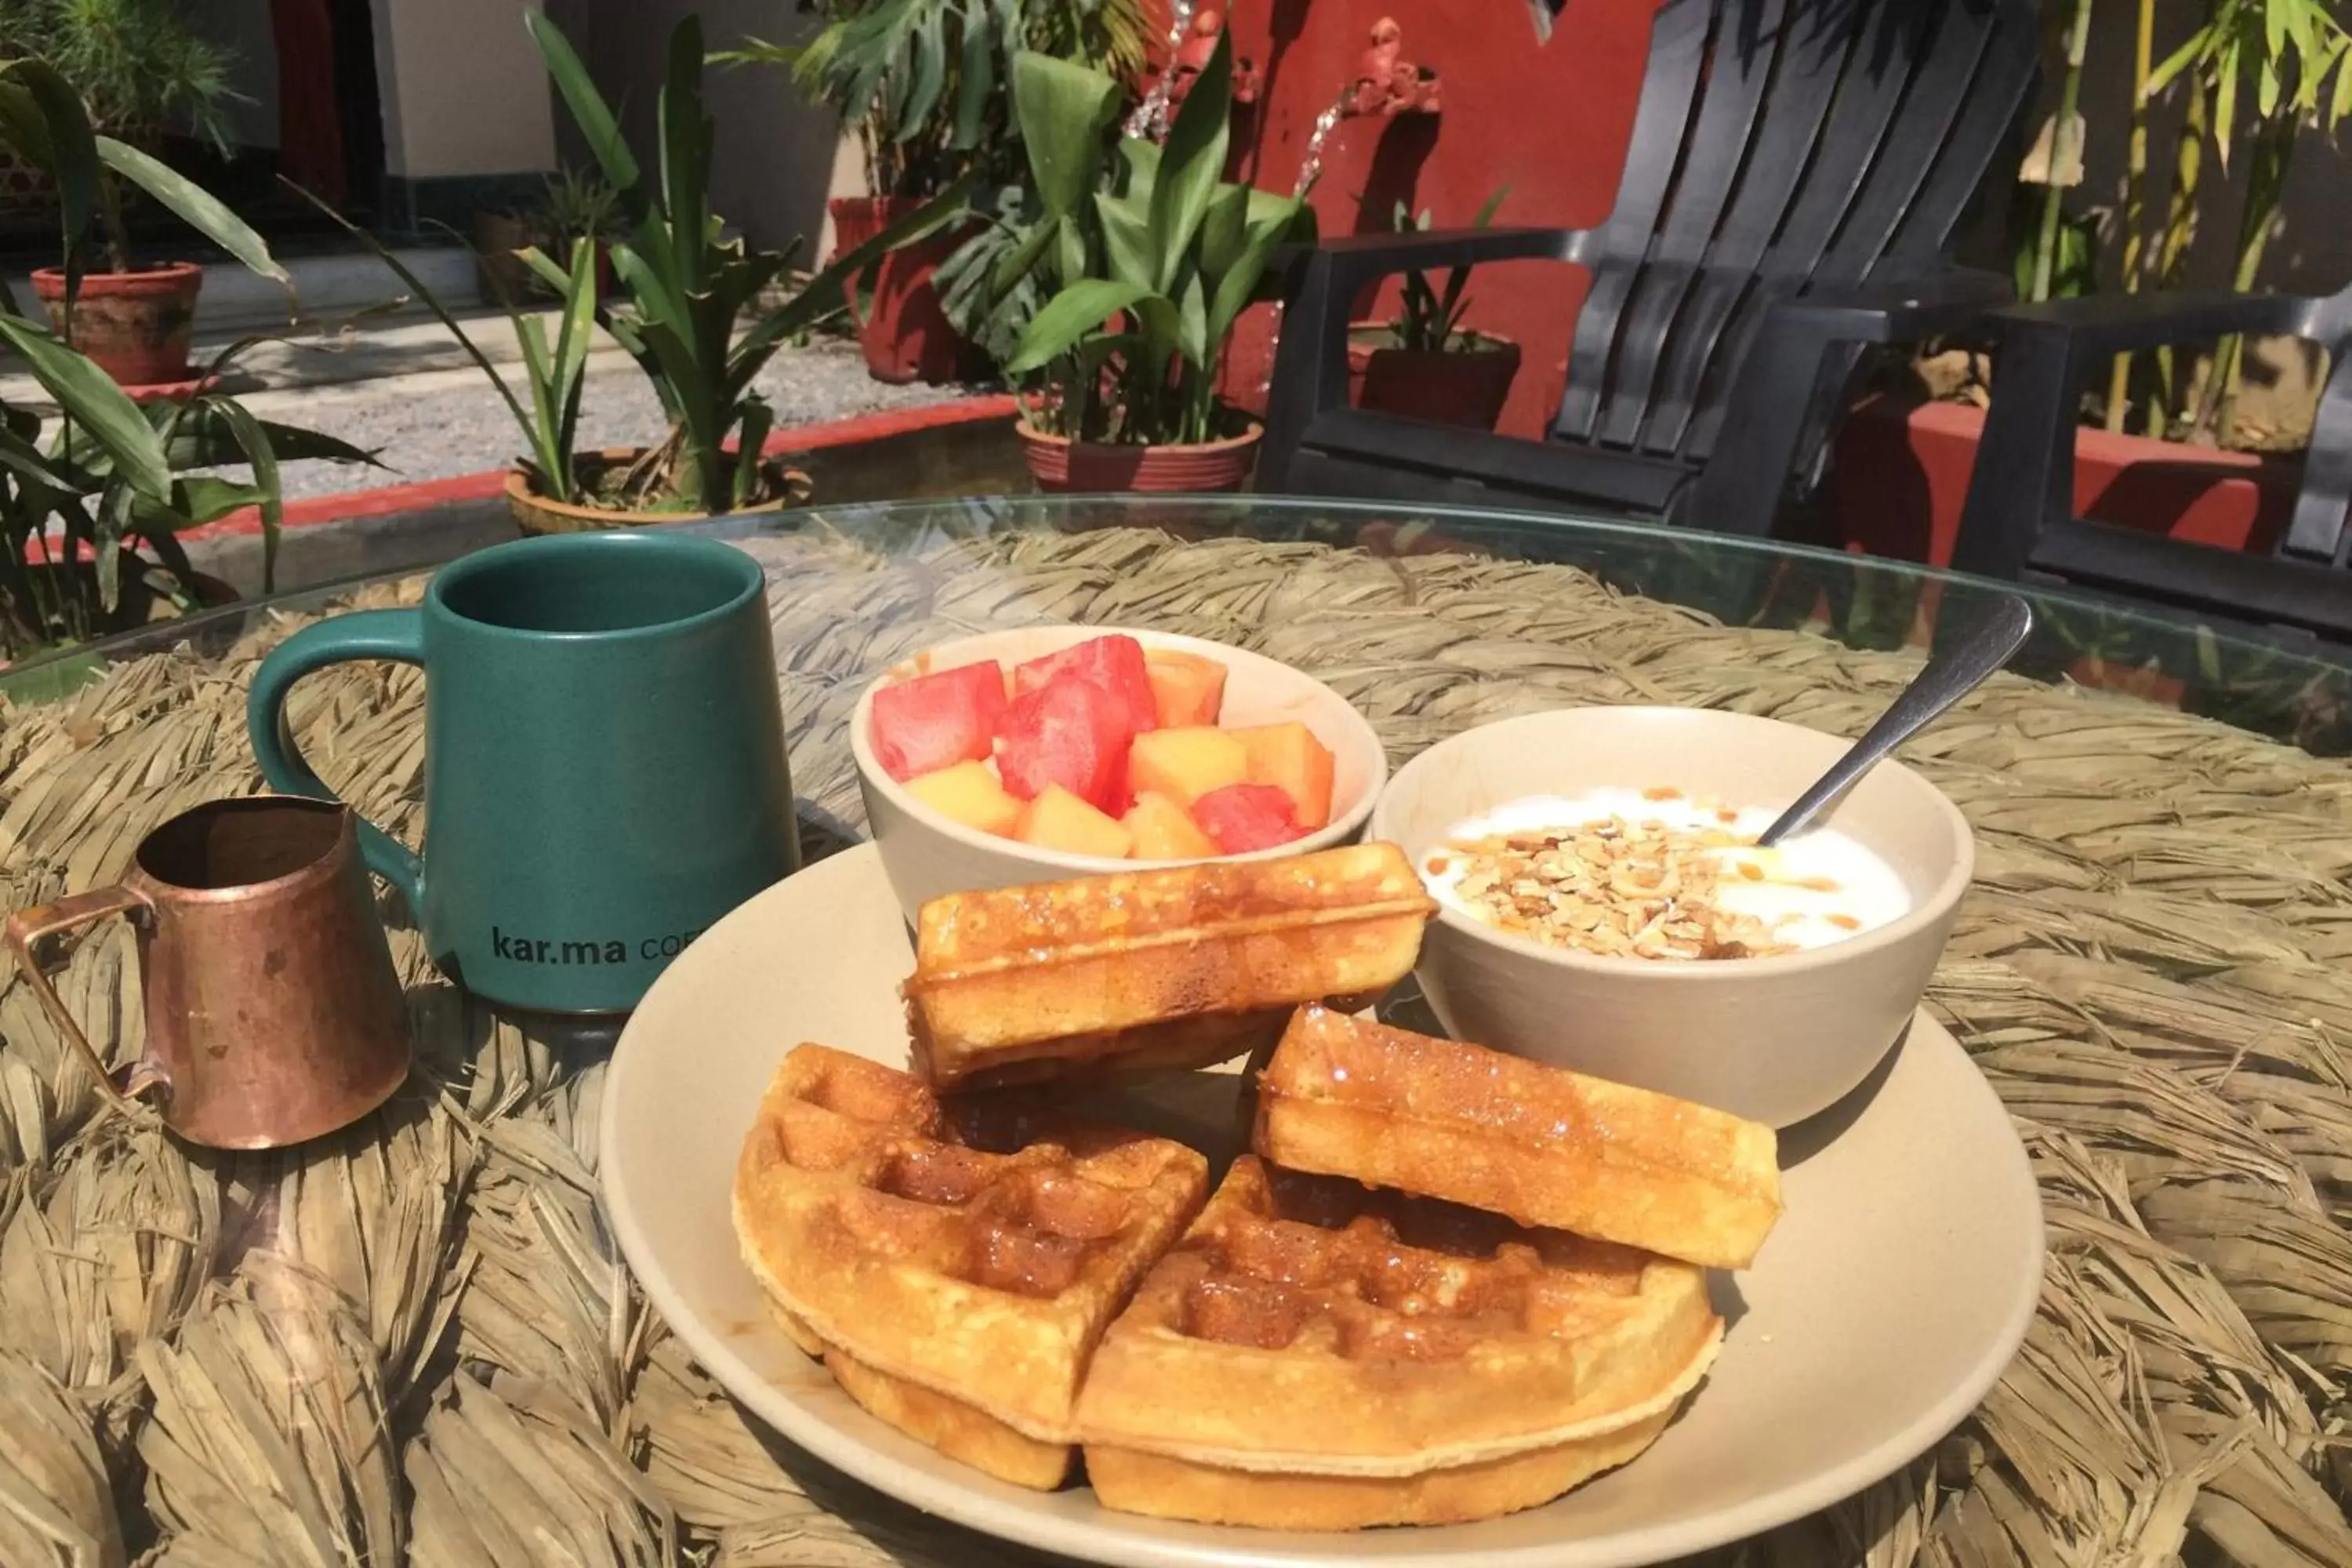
{"points": [[1544, 1145], [1315, 1355], [956, 1267], [1176, 968]]}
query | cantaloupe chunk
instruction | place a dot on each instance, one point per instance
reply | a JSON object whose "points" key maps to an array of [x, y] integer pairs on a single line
{"points": [[1292, 760], [1162, 831], [1188, 687], [1185, 764], [969, 794], [1057, 819]]}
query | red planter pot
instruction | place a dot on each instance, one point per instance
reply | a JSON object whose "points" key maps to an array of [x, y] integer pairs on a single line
{"points": [[1466, 387], [136, 325], [906, 334], [1213, 468], [1901, 477]]}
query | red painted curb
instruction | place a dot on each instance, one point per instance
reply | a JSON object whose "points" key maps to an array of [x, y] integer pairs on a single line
{"points": [[488, 485]]}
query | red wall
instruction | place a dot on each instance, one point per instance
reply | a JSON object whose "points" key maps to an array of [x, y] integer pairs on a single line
{"points": [[1549, 121]]}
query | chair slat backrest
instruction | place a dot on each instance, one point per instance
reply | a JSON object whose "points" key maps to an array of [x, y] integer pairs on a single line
{"points": [[1779, 145]]}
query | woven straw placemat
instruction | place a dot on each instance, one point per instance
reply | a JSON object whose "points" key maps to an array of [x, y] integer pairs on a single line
{"points": [[416, 1336]]}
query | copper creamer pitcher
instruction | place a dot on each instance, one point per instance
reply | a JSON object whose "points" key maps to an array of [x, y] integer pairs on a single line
{"points": [[274, 1014]]}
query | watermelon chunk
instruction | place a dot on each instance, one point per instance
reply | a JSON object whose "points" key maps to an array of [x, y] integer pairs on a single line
{"points": [[1245, 816], [1069, 732], [1115, 663], [935, 721]]}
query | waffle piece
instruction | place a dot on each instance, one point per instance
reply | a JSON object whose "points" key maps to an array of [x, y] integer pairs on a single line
{"points": [[955, 1267], [1543, 1145], [1317, 1355], [1177, 968]]}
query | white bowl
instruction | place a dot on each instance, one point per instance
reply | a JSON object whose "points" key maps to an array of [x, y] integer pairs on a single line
{"points": [[1775, 1039], [927, 855]]}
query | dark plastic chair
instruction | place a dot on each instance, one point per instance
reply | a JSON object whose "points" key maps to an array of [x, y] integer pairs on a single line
{"points": [[1796, 171], [2019, 519]]}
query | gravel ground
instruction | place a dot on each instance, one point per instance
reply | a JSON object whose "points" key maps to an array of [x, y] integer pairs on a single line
{"points": [[433, 426]]}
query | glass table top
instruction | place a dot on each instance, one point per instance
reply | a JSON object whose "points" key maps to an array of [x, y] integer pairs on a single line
{"points": [[1862, 602], [2150, 971]]}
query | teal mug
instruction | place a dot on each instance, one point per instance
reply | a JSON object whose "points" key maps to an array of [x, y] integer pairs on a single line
{"points": [[605, 772]]}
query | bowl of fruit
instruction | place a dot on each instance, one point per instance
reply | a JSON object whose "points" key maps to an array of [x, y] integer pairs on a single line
{"points": [[1056, 752]]}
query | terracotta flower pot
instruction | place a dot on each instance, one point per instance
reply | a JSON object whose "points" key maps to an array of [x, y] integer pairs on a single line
{"points": [[136, 325], [906, 334], [1212, 468], [1457, 386], [535, 513]]}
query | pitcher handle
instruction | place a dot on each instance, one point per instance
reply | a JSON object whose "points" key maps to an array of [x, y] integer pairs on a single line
{"points": [[27, 927], [397, 634]]}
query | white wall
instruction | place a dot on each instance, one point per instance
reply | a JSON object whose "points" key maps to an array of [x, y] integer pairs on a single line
{"points": [[464, 90]]}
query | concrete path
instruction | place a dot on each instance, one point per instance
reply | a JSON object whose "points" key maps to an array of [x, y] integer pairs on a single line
{"points": [[401, 387]]}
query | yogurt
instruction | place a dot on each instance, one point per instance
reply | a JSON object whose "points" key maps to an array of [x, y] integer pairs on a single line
{"points": [[1819, 886]]}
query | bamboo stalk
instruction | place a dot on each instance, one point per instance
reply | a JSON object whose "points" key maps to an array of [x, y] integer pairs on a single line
{"points": [[2062, 148], [2179, 236], [2135, 200], [2265, 188]]}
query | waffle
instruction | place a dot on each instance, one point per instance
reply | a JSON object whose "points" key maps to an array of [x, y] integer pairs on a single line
{"points": [[1543, 1145], [1177, 968], [1315, 1355], [955, 1267]]}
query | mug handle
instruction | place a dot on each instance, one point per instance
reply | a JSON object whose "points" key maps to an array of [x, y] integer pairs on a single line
{"points": [[397, 634], [27, 927]]}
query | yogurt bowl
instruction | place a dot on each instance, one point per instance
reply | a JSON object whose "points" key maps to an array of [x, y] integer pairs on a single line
{"points": [[1768, 984]]}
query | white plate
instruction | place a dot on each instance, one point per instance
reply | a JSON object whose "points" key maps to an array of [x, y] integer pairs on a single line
{"points": [[1888, 1299]]}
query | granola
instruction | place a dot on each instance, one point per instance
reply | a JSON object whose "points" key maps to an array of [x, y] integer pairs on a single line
{"points": [[1615, 887]]}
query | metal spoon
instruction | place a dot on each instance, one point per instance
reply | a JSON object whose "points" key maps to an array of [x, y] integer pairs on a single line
{"points": [[1957, 669]]}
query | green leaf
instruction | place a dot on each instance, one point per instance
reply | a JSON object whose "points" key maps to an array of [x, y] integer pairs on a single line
{"points": [[2225, 106], [89, 396], [589, 111], [2173, 64], [1192, 162], [1225, 227], [202, 441], [69, 149], [21, 457], [1127, 239], [1141, 159], [197, 207], [1486, 212], [750, 442], [975, 78], [63, 145], [686, 135], [202, 498], [1063, 109], [1235, 289], [930, 74], [1017, 263], [1076, 312], [1192, 323]]}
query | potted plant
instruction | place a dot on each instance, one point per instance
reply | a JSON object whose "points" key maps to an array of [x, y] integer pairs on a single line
{"points": [[701, 314], [92, 507], [576, 204], [107, 75], [1149, 255], [923, 83], [139, 69], [580, 204], [1425, 364]]}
